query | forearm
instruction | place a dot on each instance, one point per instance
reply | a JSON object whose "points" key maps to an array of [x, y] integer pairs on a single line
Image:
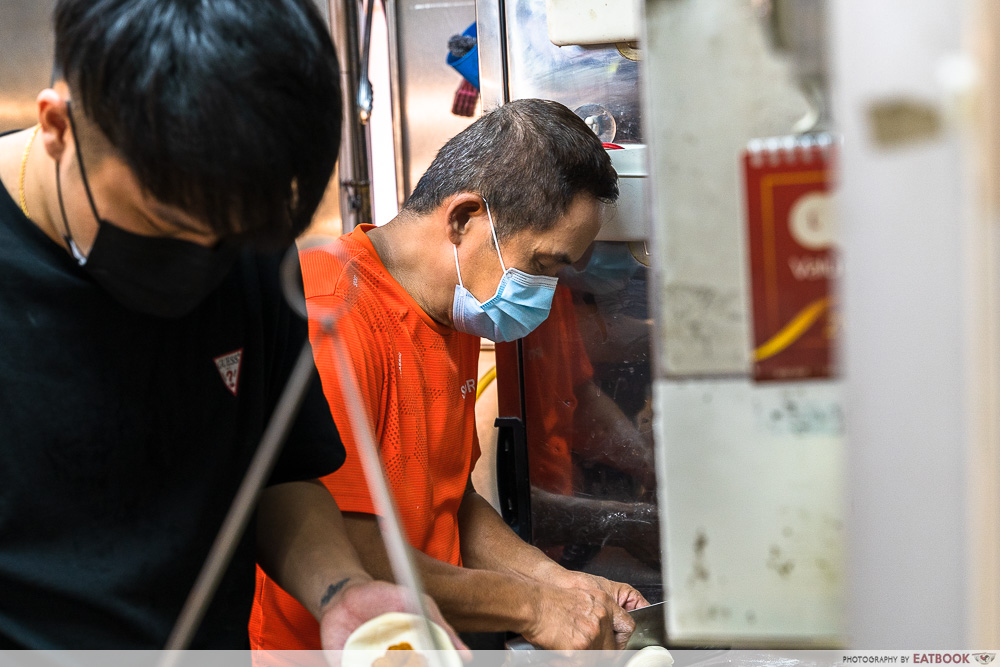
{"points": [[568, 520], [608, 436], [302, 544], [482, 601], [579, 599], [565, 519], [488, 543], [471, 600]]}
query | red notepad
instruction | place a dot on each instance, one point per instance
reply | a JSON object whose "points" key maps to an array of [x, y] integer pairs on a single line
{"points": [[792, 256]]}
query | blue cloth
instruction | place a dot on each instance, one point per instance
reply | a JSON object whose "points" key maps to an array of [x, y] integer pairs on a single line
{"points": [[468, 65]]}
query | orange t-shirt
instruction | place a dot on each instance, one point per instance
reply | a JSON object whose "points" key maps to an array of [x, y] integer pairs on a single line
{"points": [[417, 379], [555, 364]]}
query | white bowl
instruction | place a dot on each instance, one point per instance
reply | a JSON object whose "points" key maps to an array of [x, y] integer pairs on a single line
{"points": [[651, 656], [373, 639]]}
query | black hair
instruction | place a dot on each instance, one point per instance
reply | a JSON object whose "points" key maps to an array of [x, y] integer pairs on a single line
{"points": [[528, 158], [227, 109]]}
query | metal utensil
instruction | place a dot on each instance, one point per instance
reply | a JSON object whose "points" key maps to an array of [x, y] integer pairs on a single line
{"points": [[650, 627]]}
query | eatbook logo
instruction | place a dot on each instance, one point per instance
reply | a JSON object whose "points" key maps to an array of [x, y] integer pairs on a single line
{"points": [[985, 658], [229, 369]]}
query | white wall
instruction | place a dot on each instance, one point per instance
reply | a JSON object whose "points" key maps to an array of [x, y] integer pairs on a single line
{"points": [[915, 278]]}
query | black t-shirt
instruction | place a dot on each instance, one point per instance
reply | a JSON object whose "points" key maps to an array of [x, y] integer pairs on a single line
{"points": [[123, 439]]}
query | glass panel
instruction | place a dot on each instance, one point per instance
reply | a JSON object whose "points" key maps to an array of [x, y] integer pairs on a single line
{"points": [[587, 373], [588, 419], [573, 75]]}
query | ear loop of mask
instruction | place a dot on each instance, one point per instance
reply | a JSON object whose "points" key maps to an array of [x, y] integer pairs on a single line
{"points": [[493, 229], [457, 269], [496, 242], [68, 237]]}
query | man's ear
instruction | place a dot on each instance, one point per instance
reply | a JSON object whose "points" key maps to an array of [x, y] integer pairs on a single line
{"points": [[53, 118], [460, 210]]}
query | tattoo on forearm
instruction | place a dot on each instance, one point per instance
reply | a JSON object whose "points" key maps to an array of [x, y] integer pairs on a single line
{"points": [[332, 590]]}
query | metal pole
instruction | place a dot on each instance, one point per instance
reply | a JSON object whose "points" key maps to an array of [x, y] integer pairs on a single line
{"points": [[403, 567], [355, 173]]}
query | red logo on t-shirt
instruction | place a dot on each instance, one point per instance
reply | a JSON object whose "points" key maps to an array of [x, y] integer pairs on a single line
{"points": [[229, 369]]}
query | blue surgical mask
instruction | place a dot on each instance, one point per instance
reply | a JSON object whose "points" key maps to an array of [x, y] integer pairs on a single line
{"points": [[610, 268], [521, 302]]}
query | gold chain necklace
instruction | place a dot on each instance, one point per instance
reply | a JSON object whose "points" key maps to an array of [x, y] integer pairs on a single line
{"points": [[24, 165]]}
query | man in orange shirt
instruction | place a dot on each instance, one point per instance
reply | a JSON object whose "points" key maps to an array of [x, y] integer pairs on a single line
{"points": [[505, 205]]}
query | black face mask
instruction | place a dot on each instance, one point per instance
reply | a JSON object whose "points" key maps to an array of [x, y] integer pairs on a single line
{"points": [[163, 277]]}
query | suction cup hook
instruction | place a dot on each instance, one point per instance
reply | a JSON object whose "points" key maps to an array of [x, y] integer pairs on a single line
{"points": [[599, 120]]}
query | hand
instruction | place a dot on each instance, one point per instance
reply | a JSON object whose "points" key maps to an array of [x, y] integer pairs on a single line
{"points": [[357, 603], [625, 597], [569, 619]]}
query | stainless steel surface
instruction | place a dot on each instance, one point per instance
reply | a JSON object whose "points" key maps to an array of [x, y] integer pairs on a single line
{"points": [[400, 148], [424, 84], [573, 75], [364, 84], [519, 643], [627, 219], [492, 41], [598, 82], [353, 165], [26, 65], [650, 627]]}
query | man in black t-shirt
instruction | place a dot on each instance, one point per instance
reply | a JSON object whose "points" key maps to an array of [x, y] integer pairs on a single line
{"points": [[144, 340]]}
